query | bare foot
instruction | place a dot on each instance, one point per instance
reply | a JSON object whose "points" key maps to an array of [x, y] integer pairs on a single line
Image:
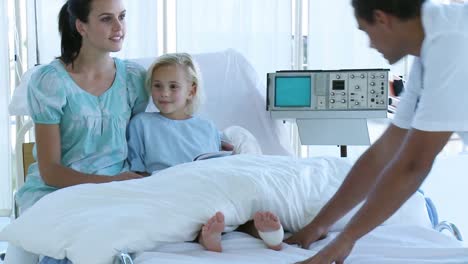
{"points": [[267, 222], [210, 235]]}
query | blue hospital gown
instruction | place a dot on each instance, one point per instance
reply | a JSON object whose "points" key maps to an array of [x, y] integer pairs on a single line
{"points": [[92, 128], [156, 142]]}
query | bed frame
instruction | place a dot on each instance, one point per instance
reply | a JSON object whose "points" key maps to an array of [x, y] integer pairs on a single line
{"points": [[123, 258]]}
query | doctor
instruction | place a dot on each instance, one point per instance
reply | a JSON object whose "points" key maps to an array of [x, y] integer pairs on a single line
{"points": [[434, 105]]}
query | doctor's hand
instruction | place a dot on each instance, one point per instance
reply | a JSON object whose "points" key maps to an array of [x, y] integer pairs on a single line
{"points": [[306, 236], [335, 252]]}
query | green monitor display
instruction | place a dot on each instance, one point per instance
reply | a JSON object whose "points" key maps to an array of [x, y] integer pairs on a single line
{"points": [[293, 91]]}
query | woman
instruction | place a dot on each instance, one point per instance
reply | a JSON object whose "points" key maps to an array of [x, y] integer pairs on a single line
{"points": [[81, 104]]}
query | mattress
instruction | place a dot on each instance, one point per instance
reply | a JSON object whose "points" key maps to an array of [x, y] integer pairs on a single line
{"points": [[384, 245]]}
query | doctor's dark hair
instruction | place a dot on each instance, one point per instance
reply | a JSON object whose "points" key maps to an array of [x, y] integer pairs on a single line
{"points": [[403, 9], [71, 38]]}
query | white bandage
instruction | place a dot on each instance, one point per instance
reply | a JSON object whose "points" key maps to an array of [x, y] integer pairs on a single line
{"points": [[272, 238]]}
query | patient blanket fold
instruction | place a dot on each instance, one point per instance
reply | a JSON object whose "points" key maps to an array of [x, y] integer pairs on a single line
{"points": [[91, 223]]}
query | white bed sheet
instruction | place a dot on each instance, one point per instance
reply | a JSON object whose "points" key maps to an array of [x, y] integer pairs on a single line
{"points": [[384, 245]]}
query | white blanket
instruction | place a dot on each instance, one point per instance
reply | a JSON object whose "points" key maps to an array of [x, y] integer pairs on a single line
{"points": [[90, 223]]}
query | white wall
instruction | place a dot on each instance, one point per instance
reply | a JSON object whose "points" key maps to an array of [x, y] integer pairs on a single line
{"points": [[335, 42], [47, 30], [5, 146], [260, 30], [141, 39]]}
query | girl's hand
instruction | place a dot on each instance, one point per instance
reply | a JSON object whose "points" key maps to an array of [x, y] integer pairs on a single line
{"points": [[226, 146]]}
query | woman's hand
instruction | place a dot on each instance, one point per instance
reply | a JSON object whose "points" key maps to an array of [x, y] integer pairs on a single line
{"points": [[335, 252], [128, 175], [307, 236]]}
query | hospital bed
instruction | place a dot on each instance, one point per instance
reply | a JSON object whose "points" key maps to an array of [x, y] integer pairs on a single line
{"points": [[228, 77]]}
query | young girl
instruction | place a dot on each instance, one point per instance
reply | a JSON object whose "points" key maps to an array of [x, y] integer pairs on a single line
{"points": [[157, 141], [174, 135]]}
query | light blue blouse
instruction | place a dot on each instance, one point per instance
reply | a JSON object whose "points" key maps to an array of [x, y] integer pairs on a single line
{"points": [[156, 142], [92, 128]]}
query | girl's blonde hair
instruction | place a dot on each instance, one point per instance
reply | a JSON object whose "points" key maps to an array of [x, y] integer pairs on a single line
{"points": [[191, 68]]}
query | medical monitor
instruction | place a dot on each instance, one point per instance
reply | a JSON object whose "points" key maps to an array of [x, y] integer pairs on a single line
{"points": [[328, 90], [330, 107], [293, 91]]}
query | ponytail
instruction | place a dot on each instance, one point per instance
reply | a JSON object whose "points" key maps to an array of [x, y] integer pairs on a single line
{"points": [[71, 38]]}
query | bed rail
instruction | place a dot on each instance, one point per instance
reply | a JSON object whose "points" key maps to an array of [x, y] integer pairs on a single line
{"points": [[124, 258]]}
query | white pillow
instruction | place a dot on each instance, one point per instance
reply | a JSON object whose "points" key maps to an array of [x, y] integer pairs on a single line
{"points": [[242, 140], [19, 101]]}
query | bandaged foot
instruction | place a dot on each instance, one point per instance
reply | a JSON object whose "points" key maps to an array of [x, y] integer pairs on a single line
{"points": [[210, 235], [269, 229]]}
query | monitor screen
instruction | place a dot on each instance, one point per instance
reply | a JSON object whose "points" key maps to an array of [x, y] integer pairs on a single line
{"points": [[293, 91]]}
